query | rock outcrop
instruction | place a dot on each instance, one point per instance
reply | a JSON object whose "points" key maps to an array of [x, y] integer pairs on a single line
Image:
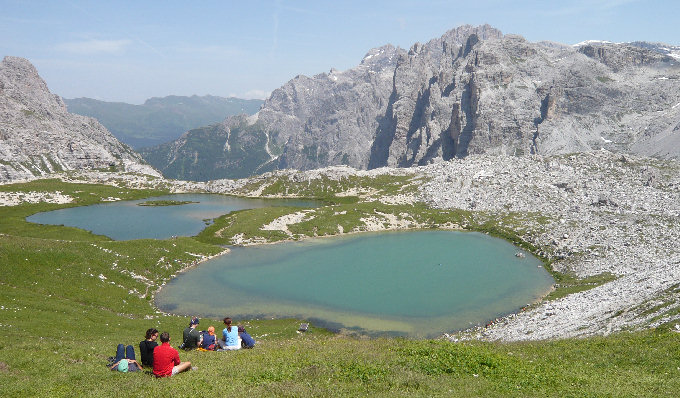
{"points": [[38, 136], [474, 91]]}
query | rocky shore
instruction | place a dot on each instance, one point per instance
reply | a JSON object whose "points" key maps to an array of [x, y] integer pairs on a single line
{"points": [[595, 212], [589, 213]]}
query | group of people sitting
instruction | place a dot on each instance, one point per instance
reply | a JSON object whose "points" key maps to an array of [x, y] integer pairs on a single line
{"points": [[233, 337], [164, 360]]}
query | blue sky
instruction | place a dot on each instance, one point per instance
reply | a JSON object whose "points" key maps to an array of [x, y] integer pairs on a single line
{"points": [[133, 50]]}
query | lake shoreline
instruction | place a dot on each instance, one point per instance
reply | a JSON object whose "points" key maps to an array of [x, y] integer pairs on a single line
{"points": [[588, 213], [477, 307]]}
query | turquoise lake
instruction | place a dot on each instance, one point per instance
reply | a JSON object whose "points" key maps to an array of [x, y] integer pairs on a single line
{"points": [[126, 220], [416, 284]]}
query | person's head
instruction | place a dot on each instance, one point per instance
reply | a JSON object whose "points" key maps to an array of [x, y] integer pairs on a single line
{"points": [[193, 322], [123, 365], [165, 337], [211, 330], [227, 321], [151, 334]]}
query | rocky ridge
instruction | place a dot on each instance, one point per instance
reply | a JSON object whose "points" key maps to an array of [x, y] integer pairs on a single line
{"points": [[471, 91], [38, 136]]}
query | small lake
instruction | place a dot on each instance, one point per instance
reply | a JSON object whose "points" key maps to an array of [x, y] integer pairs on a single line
{"points": [[417, 284], [125, 220]]}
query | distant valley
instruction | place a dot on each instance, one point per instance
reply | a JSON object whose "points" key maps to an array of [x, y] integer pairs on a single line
{"points": [[160, 120]]}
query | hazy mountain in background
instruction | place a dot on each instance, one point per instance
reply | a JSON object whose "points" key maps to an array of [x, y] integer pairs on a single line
{"points": [[38, 136], [471, 91], [234, 150], [160, 120]]}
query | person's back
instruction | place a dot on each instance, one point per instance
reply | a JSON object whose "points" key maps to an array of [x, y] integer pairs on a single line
{"points": [[230, 335], [246, 340], [209, 339], [147, 346], [191, 337], [166, 359]]}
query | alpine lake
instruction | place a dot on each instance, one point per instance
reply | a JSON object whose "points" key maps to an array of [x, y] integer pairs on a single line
{"points": [[416, 284]]}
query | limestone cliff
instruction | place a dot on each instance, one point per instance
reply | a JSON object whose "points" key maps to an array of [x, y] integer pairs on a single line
{"points": [[471, 91], [38, 135]]}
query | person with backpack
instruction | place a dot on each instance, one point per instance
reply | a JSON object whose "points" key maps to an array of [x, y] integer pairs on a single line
{"points": [[191, 336], [209, 341]]}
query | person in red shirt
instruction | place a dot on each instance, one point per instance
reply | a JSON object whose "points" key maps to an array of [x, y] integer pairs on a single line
{"points": [[166, 359]]}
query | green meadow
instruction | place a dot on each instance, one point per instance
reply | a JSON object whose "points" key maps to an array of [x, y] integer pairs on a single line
{"points": [[68, 297]]}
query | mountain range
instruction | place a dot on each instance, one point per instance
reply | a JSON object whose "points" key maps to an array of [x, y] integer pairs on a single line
{"points": [[473, 90], [160, 120]]}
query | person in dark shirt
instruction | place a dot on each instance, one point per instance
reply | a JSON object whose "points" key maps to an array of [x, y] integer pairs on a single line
{"points": [[209, 340], [246, 340], [146, 347], [192, 337]]}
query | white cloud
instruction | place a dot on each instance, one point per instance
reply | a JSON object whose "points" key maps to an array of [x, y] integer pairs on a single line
{"points": [[94, 46], [256, 94]]}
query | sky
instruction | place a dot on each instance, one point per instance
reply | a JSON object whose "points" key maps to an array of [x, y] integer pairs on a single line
{"points": [[130, 51]]}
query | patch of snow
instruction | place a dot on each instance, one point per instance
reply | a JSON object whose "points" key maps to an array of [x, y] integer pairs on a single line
{"points": [[606, 140], [587, 42]]}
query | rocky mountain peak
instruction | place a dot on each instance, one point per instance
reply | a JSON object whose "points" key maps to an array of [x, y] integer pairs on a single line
{"points": [[472, 90], [381, 57], [38, 136], [20, 80], [460, 34]]}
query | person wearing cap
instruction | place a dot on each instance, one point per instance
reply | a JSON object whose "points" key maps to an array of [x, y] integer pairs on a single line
{"points": [[125, 360], [166, 359], [192, 337]]}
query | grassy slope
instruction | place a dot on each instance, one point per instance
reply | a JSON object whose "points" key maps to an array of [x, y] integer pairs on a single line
{"points": [[59, 321]]}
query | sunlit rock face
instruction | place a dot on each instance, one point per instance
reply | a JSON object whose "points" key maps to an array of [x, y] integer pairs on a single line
{"points": [[471, 91], [38, 136]]}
